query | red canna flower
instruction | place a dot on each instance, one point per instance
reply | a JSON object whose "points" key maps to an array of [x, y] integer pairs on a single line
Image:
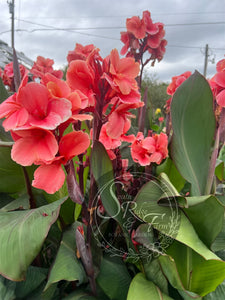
{"points": [[123, 73], [119, 120], [80, 52], [149, 149], [45, 65], [33, 106], [50, 175], [33, 146], [80, 76], [151, 28], [217, 83], [136, 26], [8, 75], [172, 87]]}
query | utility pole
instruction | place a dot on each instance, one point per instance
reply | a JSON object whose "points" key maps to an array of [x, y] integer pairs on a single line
{"points": [[206, 59], [11, 11]]}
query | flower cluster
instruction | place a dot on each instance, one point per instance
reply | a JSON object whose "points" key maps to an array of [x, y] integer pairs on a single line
{"points": [[143, 35], [150, 149], [45, 65], [7, 75], [36, 116], [172, 87], [217, 83], [100, 91]]}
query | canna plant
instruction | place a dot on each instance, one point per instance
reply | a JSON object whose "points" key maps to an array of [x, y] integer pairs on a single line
{"points": [[94, 206]]}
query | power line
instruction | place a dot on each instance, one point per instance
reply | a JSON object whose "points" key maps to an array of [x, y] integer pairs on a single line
{"points": [[125, 16], [106, 37], [121, 27]]}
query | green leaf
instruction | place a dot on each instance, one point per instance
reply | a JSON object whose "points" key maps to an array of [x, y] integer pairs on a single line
{"points": [[188, 270], [206, 218], [169, 168], [7, 289], [219, 170], [11, 174], [67, 208], [3, 92], [79, 295], [219, 243], [141, 288], [171, 221], [147, 206], [34, 277], [19, 203], [22, 234], [66, 265], [193, 123], [102, 170], [4, 136], [153, 272], [218, 294], [114, 275]]}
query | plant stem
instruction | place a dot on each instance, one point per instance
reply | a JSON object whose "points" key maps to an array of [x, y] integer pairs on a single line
{"points": [[29, 189]]}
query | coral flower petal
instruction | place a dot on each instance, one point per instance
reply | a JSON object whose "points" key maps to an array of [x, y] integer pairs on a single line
{"points": [[115, 125], [49, 178], [220, 98], [73, 143], [33, 146], [220, 79], [16, 119], [34, 97], [58, 111]]}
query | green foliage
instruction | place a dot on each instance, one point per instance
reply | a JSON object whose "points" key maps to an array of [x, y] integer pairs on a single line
{"points": [[141, 288], [157, 95], [193, 132], [114, 275], [66, 265], [167, 237], [22, 234]]}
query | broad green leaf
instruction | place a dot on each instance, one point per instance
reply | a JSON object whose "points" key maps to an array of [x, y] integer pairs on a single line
{"points": [[7, 289], [218, 294], [114, 275], [219, 243], [170, 220], [166, 217], [79, 295], [153, 272], [102, 169], [67, 208], [141, 288], [22, 234], [20, 203], [219, 170], [193, 123], [4, 136], [170, 170], [195, 273], [206, 218], [206, 276], [66, 265], [34, 277], [11, 174], [3, 92]]}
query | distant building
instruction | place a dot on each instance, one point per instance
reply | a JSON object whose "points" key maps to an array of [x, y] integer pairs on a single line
{"points": [[6, 56]]}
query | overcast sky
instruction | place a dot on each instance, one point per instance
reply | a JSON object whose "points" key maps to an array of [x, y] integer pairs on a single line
{"points": [[186, 43]]}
